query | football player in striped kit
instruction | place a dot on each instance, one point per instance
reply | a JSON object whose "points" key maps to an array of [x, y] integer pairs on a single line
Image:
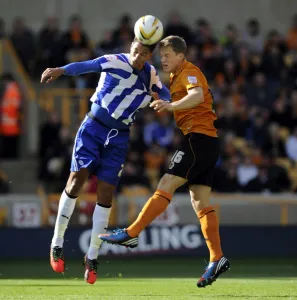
{"points": [[101, 144]]}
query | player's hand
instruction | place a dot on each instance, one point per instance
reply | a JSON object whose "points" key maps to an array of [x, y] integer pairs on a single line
{"points": [[51, 74], [161, 105]]}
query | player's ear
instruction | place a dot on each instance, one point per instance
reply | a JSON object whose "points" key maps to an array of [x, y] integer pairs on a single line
{"points": [[181, 56]]}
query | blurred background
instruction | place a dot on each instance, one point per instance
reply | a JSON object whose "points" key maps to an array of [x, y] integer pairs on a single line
{"points": [[248, 52]]}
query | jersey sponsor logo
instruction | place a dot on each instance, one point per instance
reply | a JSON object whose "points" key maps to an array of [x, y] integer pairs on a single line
{"points": [[192, 79], [111, 57]]}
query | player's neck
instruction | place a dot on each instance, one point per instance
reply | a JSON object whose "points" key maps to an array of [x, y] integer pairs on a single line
{"points": [[139, 69], [179, 68]]}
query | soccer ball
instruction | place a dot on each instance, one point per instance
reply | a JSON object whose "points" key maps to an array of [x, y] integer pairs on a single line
{"points": [[148, 30]]}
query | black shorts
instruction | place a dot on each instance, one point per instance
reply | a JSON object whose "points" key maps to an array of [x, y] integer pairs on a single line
{"points": [[196, 159]]}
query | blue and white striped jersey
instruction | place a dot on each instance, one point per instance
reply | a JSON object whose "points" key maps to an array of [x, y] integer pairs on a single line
{"points": [[122, 90]]}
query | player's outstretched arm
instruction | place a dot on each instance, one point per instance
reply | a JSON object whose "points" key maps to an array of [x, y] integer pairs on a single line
{"points": [[78, 68], [51, 74]]}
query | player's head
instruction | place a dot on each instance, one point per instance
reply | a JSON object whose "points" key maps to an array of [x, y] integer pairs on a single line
{"points": [[173, 52], [140, 53]]}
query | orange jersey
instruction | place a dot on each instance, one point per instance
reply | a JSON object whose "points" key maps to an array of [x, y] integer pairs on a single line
{"points": [[199, 119]]}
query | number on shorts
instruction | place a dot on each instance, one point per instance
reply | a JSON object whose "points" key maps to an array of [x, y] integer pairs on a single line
{"points": [[177, 157]]}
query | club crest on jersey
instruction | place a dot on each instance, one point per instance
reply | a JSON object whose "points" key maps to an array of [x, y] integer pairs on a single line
{"points": [[192, 79], [111, 57]]}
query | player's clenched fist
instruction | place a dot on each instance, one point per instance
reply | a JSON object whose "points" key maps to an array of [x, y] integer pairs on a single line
{"points": [[161, 105], [50, 74]]}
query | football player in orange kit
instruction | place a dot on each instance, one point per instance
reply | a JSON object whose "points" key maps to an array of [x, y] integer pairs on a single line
{"points": [[193, 163]]}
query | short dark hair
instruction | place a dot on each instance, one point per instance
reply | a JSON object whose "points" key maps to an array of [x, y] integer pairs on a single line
{"points": [[177, 44], [150, 47]]}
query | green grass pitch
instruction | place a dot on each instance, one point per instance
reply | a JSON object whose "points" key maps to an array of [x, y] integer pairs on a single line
{"points": [[150, 278]]}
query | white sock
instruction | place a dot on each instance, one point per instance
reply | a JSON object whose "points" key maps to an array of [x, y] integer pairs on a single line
{"points": [[100, 222], [66, 207]]}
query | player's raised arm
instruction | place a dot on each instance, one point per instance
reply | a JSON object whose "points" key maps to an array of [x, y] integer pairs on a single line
{"points": [[51, 74], [77, 68]]}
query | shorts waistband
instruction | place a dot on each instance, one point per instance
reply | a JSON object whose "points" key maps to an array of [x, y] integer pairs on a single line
{"points": [[90, 115]]}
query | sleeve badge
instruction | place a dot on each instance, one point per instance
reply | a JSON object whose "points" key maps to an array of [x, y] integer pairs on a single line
{"points": [[192, 79]]}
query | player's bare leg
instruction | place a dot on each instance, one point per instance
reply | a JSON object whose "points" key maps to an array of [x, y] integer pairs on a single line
{"points": [[218, 264], [105, 192], [66, 206], [153, 208]]}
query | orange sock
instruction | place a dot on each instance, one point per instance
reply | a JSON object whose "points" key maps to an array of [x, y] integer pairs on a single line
{"points": [[153, 208], [210, 229]]}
